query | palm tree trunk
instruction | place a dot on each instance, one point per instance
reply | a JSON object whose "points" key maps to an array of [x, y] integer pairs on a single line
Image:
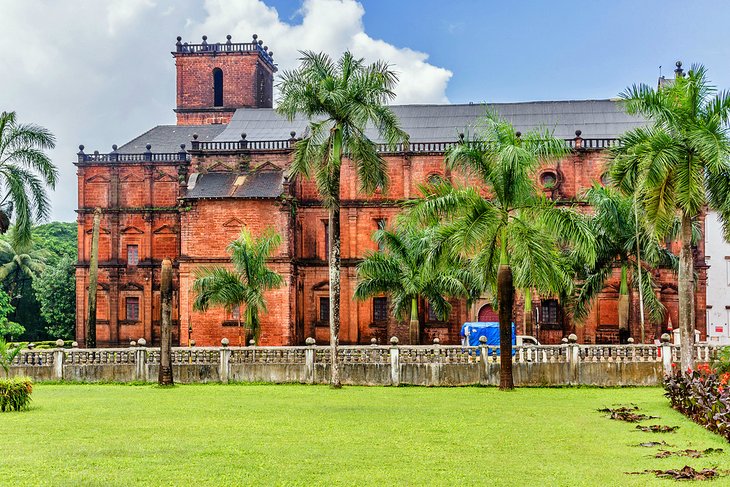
{"points": [[165, 377], [638, 270], [334, 259], [686, 295], [623, 305], [505, 299], [527, 315], [414, 326], [93, 280]]}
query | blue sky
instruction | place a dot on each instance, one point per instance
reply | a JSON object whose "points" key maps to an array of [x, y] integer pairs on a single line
{"points": [[544, 50], [99, 72]]}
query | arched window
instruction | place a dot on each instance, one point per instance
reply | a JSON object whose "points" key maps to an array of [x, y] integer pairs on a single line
{"points": [[217, 87]]}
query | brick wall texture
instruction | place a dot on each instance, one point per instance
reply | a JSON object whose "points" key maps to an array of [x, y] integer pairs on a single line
{"points": [[143, 215]]}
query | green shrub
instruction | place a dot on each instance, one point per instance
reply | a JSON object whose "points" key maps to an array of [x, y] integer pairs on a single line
{"points": [[15, 393]]}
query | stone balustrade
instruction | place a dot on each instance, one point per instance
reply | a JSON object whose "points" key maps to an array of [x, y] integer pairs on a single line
{"points": [[429, 365]]}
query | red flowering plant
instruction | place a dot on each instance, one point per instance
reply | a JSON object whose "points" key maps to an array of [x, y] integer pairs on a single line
{"points": [[703, 395]]}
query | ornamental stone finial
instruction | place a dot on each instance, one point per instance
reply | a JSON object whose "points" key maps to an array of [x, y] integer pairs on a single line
{"points": [[572, 338], [394, 340], [310, 341]]}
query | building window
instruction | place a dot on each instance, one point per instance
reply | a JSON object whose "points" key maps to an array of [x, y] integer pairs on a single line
{"points": [[380, 223], [236, 313], [132, 305], [549, 311], [380, 309], [132, 255], [217, 87], [435, 179], [548, 179], [326, 240], [432, 315], [324, 310]]}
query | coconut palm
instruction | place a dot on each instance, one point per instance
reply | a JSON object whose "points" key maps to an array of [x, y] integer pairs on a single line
{"points": [[246, 284], [677, 165], [25, 172], [405, 271], [515, 236], [20, 263], [339, 99], [623, 242]]}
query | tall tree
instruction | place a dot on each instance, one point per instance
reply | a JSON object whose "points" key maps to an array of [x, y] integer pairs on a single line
{"points": [[515, 236], [8, 328], [93, 280], [25, 172], [339, 99], [55, 290], [165, 376], [621, 243], [405, 271], [245, 285], [21, 264], [676, 166]]}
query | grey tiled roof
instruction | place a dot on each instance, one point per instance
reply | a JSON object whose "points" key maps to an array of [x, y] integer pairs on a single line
{"points": [[167, 138], [257, 184], [441, 123]]}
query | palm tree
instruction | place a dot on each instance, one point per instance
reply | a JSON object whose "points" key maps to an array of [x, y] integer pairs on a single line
{"points": [[405, 271], [7, 355], [25, 171], [620, 242], [20, 263], [339, 99], [245, 284], [515, 236], [678, 165]]}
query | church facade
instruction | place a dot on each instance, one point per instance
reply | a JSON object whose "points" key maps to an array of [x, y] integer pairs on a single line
{"points": [[185, 191]]}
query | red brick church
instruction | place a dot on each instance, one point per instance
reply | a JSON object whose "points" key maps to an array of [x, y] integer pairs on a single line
{"points": [[185, 191]]}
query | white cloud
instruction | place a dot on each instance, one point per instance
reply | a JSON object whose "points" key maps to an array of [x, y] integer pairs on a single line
{"points": [[98, 72], [331, 26]]}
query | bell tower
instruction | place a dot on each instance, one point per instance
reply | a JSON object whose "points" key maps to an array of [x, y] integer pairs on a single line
{"points": [[213, 80]]}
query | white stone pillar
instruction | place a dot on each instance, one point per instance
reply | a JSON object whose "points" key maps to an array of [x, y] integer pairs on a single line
{"points": [[394, 362]]}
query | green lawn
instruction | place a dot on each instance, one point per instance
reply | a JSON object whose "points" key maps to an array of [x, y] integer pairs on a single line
{"points": [[305, 435]]}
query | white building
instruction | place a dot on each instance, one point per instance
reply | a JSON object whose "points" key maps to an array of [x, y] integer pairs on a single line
{"points": [[717, 255]]}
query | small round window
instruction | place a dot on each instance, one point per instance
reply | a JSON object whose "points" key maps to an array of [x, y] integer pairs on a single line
{"points": [[605, 179], [548, 179], [435, 179]]}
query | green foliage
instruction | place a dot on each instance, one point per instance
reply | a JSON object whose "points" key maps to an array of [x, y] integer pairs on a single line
{"points": [[8, 328], [15, 393], [516, 226], [55, 290], [7, 355], [681, 161], [57, 239], [406, 271], [722, 365], [615, 226], [340, 99], [23, 265], [246, 284], [25, 172]]}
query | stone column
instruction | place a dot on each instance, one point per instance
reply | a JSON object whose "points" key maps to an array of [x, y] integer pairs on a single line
{"points": [[573, 359], [666, 354], [225, 357], [394, 362], [141, 361], [484, 359], [58, 357], [309, 359]]}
